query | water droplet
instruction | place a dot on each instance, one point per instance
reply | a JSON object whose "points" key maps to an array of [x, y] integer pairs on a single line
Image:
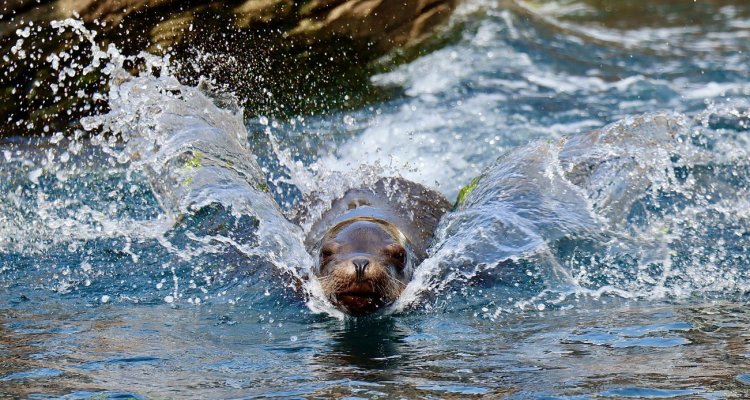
{"points": [[34, 175]]}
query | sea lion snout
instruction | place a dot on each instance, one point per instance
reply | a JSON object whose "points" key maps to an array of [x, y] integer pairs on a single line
{"points": [[361, 270], [361, 286]]}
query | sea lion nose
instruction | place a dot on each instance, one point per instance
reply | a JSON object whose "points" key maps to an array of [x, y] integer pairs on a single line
{"points": [[359, 267]]}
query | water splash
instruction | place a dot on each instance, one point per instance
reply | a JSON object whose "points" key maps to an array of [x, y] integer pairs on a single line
{"points": [[610, 212], [649, 207], [168, 143]]}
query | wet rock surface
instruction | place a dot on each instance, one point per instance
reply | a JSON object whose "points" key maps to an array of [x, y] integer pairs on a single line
{"points": [[280, 47]]}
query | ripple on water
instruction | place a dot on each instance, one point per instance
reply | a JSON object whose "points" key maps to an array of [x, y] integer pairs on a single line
{"points": [[652, 342], [32, 374], [744, 379], [633, 336], [455, 389], [104, 395], [649, 393], [121, 361]]}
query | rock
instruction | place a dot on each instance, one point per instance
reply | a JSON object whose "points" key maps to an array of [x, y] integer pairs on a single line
{"points": [[278, 43], [255, 12], [379, 25]]}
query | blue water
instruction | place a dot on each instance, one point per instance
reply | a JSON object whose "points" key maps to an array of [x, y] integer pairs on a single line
{"points": [[603, 253]]}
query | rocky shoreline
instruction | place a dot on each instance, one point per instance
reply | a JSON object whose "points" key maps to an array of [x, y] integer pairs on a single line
{"points": [[282, 47]]}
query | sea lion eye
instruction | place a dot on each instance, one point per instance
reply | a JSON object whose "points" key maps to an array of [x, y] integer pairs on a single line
{"points": [[328, 250], [397, 254]]}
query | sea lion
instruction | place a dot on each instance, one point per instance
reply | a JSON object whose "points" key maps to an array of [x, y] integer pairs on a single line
{"points": [[370, 240]]}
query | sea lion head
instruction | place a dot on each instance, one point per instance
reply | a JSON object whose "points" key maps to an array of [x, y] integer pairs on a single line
{"points": [[364, 265]]}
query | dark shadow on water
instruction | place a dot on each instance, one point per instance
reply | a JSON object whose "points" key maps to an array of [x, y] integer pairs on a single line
{"points": [[370, 343]]}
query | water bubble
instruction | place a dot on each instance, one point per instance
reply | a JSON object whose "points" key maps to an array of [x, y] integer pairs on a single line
{"points": [[105, 299]]}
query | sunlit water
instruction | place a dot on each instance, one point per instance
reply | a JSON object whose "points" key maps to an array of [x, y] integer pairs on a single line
{"points": [[603, 253]]}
